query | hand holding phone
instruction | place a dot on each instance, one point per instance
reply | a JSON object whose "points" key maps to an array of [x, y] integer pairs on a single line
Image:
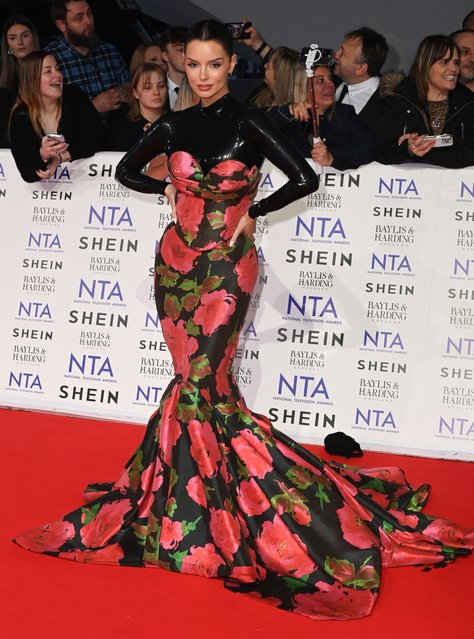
{"points": [[238, 30]]}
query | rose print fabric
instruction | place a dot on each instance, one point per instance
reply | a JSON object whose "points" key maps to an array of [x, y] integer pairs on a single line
{"points": [[213, 489]]}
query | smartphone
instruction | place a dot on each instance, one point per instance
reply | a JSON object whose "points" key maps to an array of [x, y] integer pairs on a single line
{"points": [[445, 139], [238, 30], [55, 136], [314, 56]]}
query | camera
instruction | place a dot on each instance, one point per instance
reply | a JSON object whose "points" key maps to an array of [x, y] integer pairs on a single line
{"points": [[444, 139], [315, 56], [237, 30]]}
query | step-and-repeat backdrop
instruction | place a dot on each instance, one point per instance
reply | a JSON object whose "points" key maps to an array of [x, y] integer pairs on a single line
{"points": [[362, 319]]}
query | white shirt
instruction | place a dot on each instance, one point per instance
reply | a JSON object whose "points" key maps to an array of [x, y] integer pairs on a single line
{"points": [[358, 94], [172, 94]]}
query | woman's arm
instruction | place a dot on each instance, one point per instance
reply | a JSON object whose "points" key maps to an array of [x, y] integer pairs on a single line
{"points": [[25, 147], [280, 152], [129, 168]]}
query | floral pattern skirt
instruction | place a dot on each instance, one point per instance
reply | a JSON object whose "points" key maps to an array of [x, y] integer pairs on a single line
{"points": [[214, 490]]}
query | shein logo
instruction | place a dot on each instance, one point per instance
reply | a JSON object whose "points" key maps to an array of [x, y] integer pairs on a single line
{"points": [[110, 216], [303, 386], [390, 263], [90, 365], [383, 339], [100, 289], [312, 306], [34, 310], [319, 226], [398, 186]]}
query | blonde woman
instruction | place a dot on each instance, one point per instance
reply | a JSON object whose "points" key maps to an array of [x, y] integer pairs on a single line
{"points": [[50, 124]]}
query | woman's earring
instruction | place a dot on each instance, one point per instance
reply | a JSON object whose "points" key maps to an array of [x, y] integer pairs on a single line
{"points": [[10, 52]]}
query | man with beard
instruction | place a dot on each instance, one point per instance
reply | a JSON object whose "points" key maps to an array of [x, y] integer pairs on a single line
{"points": [[465, 41], [84, 60]]}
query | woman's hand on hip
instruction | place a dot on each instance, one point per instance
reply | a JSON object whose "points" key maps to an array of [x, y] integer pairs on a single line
{"points": [[246, 226], [170, 193]]}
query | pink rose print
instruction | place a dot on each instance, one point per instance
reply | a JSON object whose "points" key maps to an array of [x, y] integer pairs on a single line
{"points": [[215, 310], [175, 252], [182, 165], [251, 498], [333, 601], [244, 574], [253, 452], [233, 214], [109, 555], [283, 552], [354, 529], [49, 538], [450, 534], [105, 524], [171, 533], [225, 531], [204, 447], [223, 370], [195, 489], [229, 167], [180, 345], [202, 561], [151, 481], [190, 211], [247, 270]]}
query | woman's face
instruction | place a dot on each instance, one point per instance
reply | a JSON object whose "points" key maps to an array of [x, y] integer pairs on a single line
{"points": [[270, 76], [208, 67], [323, 87], [151, 91], [51, 80], [153, 54], [20, 40], [442, 76]]}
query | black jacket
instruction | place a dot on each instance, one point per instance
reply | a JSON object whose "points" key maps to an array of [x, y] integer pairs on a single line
{"points": [[346, 136], [403, 113], [80, 124]]}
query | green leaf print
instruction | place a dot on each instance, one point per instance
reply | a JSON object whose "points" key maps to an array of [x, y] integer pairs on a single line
{"points": [[293, 584], [200, 368], [190, 301], [189, 526], [210, 284], [167, 277], [322, 496], [173, 478], [191, 328], [172, 306], [178, 558], [88, 514], [188, 285], [171, 506], [299, 476], [216, 219]]}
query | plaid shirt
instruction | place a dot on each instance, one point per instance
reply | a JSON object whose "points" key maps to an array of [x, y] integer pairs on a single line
{"points": [[101, 69]]}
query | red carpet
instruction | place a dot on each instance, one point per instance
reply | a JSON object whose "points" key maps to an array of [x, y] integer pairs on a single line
{"points": [[46, 461]]}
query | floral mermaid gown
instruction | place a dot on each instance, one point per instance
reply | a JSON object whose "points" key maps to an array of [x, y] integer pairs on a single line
{"points": [[213, 489]]}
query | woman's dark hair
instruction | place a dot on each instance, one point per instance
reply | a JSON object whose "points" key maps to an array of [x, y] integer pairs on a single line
{"points": [[430, 50], [8, 63], [210, 30]]}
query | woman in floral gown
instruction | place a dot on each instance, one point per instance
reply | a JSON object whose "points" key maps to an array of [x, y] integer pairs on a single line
{"points": [[213, 489]]}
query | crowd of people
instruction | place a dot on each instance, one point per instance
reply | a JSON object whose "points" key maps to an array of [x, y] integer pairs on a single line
{"points": [[77, 96]]}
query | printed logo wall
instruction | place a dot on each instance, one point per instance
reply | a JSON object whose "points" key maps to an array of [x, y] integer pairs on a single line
{"points": [[361, 320]]}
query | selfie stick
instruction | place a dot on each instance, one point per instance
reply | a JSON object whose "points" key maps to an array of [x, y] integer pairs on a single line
{"points": [[311, 60]]}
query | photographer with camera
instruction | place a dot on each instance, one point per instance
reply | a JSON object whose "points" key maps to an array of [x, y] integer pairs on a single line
{"points": [[429, 116]]}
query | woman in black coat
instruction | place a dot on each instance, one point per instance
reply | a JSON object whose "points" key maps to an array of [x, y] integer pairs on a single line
{"points": [[51, 124], [429, 102]]}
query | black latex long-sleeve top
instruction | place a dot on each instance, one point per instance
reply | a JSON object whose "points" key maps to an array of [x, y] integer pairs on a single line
{"points": [[222, 131]]}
